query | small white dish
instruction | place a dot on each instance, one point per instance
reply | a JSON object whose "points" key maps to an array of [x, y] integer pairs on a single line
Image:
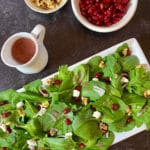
{"points": [[35, 8], [124, 21]]}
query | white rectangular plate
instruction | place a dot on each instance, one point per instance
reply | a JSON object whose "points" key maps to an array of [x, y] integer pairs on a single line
{"points": [[136, 50]]}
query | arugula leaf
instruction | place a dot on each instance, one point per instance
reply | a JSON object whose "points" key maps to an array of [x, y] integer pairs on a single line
{"points": [[104, 105], [87, 128], [66, 77], [81, 74], [94, 66], [112, 66], [139, 80], [122, 125], [17, 139], [129, 62], [33, 128], [33, 86], [58, 143], [93, 89]]}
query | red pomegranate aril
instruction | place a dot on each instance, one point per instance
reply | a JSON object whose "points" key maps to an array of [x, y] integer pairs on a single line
{"points": [[93, 108], [91, 9], [115, 106], [98, 75], [107, 79], [129, 52], [8, 130], [78, 87], [58, 82], [4, 148], [3, 102], [77, 99], [101, 5], [66, 110], [5, 115], [81, 145], [68, 121], [129, 120]]}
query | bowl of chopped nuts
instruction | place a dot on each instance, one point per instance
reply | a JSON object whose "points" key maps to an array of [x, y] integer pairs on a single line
{"points": [[45, 6], [104, 15]]}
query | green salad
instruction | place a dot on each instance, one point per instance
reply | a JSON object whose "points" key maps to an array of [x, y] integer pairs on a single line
{"points": [[80, 108]]}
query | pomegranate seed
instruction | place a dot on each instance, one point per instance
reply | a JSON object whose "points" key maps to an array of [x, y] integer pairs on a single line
{"points": [[3, 103], [107, 79], [129, 120], [129, 52], [8, 130], [81, 145], [93, 108], [58, 82], [5, 115], [4, 148], [78, 87], [115, 106], [77, 99], [98, 75], [110, 9], [68, 121], [66, 110]]}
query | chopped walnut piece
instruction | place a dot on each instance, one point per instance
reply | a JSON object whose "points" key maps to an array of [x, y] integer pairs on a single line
{"points": [[21, 112], [147, 94], [102, 64], [103, 126], [128, 111], [50, 81], [52, 132], [84, 100]]}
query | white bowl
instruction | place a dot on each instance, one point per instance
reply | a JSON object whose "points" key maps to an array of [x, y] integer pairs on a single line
{"points": [[126, 18], [44, 11]]}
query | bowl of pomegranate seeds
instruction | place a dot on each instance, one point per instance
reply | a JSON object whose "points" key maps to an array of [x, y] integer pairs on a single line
{"points": [[104, 15]]}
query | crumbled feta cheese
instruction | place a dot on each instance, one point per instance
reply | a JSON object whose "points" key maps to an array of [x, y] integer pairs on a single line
{"points": [[99, 90], [31, 144], [76, 93], [97, 114], [95, 79], [20, 104], [67, 135], [3, 127]]}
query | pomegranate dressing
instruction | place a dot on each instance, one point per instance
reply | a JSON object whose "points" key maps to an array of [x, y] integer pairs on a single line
{"points": [[23, 50]]}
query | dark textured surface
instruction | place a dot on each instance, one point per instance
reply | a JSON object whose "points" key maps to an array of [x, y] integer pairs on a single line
{"points": [[67, 42]]}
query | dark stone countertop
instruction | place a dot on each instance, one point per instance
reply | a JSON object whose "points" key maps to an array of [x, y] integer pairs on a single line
{"points": [[68, 42]]}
